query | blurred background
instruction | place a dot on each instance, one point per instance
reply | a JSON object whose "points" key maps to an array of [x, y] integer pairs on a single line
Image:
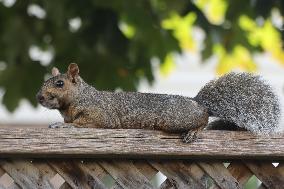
{"points": [[151, 46], [156, 46]]}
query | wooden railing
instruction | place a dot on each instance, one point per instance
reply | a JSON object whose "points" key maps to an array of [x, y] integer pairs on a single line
{"points": [[101, 158]]}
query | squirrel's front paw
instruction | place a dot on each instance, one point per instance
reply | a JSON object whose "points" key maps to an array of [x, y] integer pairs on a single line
{"points": [[189, 137], [60, 125]]}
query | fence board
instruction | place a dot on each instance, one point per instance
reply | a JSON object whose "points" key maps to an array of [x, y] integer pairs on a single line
{"points": [[241, 172], [12, 185], [220, 175], [197, 173], [98, 171], [177, 174], [65, 186], [126, 174], [112, 143], [167, 185], [146, 169], [262, 186], [280, 167], [180, 174], [26, 175], [76, 176], [270, 176], [2, 172], [145, 152]]}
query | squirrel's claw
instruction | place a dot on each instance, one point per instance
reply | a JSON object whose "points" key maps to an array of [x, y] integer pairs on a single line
{"points": [[60, 125], [189, 137]]}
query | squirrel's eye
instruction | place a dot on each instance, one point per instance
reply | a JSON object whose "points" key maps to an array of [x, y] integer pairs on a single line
{"points": [[59, 83]]}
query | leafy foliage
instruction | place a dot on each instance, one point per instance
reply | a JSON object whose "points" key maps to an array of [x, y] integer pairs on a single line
{"points": [[115, 40]]}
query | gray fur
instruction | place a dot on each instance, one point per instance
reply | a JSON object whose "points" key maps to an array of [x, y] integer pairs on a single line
{"points": [[243, 99], [141, 110], [239, 98]]}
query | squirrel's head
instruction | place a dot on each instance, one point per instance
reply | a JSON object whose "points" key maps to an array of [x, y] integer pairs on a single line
{"points": [[58, 91]]}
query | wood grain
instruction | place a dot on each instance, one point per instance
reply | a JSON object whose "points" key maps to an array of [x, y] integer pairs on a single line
{"points": [[26, 175], [167, 185], [97, 171], [2, 172], [7, 183], [270, 176], [197, 173], [145, 168], [126, 174], [220, 175], [76, 175], [240, 171], [130, 143], [177, 175]]}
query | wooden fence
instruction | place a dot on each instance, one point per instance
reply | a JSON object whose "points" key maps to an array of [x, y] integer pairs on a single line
{"points": [[101, 159]]}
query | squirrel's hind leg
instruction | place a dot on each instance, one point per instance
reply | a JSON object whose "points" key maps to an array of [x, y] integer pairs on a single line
{"points": [[191, 135]]}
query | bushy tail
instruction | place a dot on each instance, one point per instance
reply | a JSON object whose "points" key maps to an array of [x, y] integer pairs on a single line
{"points": [[243, 99]]}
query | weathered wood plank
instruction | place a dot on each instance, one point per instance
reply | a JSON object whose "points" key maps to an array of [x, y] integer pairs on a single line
{"points": [[145, 168], [76, 175], [197, 173], [270, 176], [262, 186], [97, 171], [167, 184], [26, 175], [8, 185], [220, 175], [2, 172], [177, 174], [280, 167], [126, 174], [48, 172], [100, 173], [107, 143], [65, 185], [2, 187], [93, 180], [240, 171]]}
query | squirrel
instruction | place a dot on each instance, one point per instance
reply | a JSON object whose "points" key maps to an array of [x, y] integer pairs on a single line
{"points": [[242, 99]]}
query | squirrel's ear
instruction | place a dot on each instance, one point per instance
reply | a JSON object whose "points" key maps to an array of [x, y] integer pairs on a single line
{"points": [[73, 72], [55, 71]]}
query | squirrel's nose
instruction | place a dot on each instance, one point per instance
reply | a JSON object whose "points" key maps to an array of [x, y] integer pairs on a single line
{"points": [[40, 98]]}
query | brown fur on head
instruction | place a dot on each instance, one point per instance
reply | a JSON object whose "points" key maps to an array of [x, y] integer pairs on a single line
{"points": [[58, 91]]}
